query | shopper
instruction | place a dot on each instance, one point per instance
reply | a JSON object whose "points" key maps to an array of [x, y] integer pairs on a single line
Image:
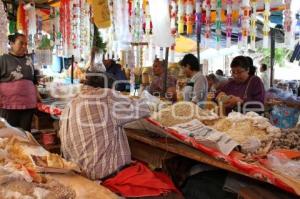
{"points": [[157, 85], [18, 93], [91, 129], [244, 87], [197, 86], [265, 76]]}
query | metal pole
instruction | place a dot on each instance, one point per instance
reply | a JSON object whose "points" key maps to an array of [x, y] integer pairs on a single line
{"points": [[166, 71], [272, 57], [72, 69]]}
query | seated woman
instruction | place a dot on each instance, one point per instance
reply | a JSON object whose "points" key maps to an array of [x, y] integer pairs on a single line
{"points": [[244, 90]]}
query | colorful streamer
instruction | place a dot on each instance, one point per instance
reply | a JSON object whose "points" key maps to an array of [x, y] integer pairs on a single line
{"points": [[239, 25], [21, 19], [245, 22], [181, 16], [207, 33], [287, 23], [189, 17], [219, 23]]}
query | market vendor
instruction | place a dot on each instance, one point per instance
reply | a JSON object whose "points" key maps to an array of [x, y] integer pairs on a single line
{"points": [[116, 71], [156, 86], [18, 93], [244, 87], [197, 87], [91, 129]]}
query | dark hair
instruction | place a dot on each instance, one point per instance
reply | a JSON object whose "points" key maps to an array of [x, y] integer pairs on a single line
{"points": [[212, 77], [240, 61], [99, 80], [264, 67], [12, 38], [192, 61], [252, 68], [220, 72]]}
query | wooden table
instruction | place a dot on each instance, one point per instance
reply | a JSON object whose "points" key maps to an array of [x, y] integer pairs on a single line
{"points": [[84, 188], [176, 147]]}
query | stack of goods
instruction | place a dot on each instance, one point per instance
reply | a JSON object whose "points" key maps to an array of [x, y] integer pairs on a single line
{"points": [[21, 160], [249, 129], [183, 112]]}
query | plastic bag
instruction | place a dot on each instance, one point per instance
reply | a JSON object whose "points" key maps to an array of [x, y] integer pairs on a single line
{"points": [[251, 145], [284, 165], [8, 131]]}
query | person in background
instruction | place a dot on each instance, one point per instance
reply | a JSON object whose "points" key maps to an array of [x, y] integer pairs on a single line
{"points": [[156, 86], [118, 74], [212, 82], [244, 87], [18, 93], [265, 77], [219, 72], [91, 129], [252, 68], [197, 86]]}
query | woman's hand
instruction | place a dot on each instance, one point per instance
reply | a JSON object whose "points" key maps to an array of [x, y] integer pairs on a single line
{"points": [[233, 101]]}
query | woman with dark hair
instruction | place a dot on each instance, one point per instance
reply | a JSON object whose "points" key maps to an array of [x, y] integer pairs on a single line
{"points": [[252, 68], [197, 87], [243, 88], [18, 93]]}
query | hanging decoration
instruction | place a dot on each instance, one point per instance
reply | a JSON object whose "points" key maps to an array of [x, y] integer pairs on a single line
{"points": [[229, 23], [245, 22], [3, 30], [173, 29], [189, 17], [162, 36], [75, 28], [65, 26], [181, 16], [266, 28], [198, 16], [287, 23], [21, 19], [85, 29], [207, 23], [219, 23], [101, 13], [31, 21], [239, 24], [137, 21], [253, 24]]}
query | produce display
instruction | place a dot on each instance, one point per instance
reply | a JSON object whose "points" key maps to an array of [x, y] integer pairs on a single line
{"points": [[182, 112], [22, 162], [289, 139]]}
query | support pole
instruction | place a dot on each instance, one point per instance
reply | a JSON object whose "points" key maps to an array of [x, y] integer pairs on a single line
{"points": [[272, 57], [72, 69], [166, 71]]}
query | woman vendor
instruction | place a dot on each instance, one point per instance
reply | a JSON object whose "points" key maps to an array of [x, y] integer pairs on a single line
{"points": [[18, 94], [196, 88], [244, 87]]}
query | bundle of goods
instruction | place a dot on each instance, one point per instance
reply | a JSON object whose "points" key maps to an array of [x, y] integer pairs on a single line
{"points": [[183, 112], [253, 132]]}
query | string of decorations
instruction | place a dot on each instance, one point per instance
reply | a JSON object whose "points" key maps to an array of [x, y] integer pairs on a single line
{"points": [[253, 24], [229, 23], [266, 27], [207, 33], [287, 22], [3, 29], [181, 16], [173, 28], [189, 17], [245, 22], [65, 25], [219, 23], [239, 24]]}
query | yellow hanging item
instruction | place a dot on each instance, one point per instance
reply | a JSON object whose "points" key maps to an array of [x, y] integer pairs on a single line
{"points": [[101, 13]]}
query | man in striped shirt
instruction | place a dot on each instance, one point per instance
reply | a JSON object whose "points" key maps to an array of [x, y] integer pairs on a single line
{"points": [[91, 130]]}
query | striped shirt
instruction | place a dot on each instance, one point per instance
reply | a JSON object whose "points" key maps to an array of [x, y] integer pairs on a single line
{"points": [[92, 132]]}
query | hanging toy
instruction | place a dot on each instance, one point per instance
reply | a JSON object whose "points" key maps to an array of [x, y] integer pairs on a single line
{"points": [[207, 23]]}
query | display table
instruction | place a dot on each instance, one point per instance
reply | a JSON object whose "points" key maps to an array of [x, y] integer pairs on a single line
{"points": [[84, 188]]}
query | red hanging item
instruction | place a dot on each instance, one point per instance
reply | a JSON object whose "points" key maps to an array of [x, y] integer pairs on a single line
{"points": [[139, 181], [65, 21], [21, 18]]}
